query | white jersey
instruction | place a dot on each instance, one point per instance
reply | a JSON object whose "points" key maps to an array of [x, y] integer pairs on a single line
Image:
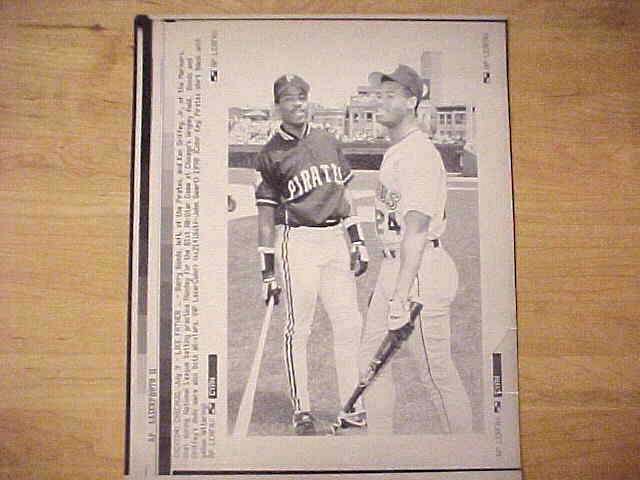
{"points": [[412, 177]]}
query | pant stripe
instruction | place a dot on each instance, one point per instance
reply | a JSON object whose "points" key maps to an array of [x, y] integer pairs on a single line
{"points": [[426, 359], [288, 332]]}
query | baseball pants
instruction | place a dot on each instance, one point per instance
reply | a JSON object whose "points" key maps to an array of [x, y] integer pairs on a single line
{"points": [[430, 343], [314, 262]]}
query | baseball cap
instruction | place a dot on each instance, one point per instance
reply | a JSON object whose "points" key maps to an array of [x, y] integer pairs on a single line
{"points": [[286, 81], [405, 76]]}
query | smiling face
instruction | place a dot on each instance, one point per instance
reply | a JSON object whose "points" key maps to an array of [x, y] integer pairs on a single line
{"points": [[293, 106], [395, 103]]}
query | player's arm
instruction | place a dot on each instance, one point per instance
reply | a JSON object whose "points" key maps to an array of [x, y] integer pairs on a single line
{"points": [[266, 250], [414, 241], [266, 225], [359, 253], [416, 227], [421, 182], [267, 200]]}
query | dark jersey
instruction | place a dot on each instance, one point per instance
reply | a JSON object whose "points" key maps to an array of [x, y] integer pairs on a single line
{"points": [[304, 177]]}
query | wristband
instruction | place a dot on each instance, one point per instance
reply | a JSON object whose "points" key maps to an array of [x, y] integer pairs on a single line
{"points": [[267, 261], [355, 233]]}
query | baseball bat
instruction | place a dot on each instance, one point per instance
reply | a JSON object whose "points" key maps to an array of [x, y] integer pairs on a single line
{"points": [[390, 344], [246, 404]]}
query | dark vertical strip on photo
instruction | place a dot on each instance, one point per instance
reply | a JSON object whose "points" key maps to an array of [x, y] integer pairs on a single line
{"points": [[165, 373], [144, 104]]}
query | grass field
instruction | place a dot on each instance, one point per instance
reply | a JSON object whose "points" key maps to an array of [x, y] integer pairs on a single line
{"points": [[416, 413]]}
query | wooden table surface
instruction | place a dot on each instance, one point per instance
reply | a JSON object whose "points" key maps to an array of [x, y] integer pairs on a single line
{"points": [[65, 123]]}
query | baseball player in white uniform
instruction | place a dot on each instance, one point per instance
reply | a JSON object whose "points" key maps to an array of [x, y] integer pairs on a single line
{"points": [[307, 236], [410, 219]]}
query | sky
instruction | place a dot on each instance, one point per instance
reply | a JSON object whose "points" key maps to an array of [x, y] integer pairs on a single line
{"points": [[337, 56]]}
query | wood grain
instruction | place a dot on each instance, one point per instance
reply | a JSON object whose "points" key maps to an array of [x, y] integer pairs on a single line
{"points": [[65, 103]]}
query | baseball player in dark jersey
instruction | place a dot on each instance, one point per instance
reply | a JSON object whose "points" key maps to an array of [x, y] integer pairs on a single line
{"points": [[410, 219], [309, 241]]}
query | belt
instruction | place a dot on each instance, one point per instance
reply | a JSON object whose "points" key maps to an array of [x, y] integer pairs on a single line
{"points": [[328, 223], [393, 253]]}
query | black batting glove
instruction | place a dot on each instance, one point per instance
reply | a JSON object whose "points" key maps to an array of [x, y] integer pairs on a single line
{"points": [[359, 253], [270, 287]]}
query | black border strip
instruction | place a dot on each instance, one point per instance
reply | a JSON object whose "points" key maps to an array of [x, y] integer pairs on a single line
{"points": [[329, 472], [140, 22]]}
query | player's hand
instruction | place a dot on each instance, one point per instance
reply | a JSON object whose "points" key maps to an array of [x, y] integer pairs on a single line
{"points": [[359, 258], [399, 314], [270, 286], [270, 289]]}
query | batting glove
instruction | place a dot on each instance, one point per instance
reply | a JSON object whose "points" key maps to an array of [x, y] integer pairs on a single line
{"points": [[270, 289], [270, 286], [359, 253], [359, 259], [399, 314]]}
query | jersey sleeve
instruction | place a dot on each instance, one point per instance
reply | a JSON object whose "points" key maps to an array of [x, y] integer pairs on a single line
{"points": [[423, 182], [266, 192]]}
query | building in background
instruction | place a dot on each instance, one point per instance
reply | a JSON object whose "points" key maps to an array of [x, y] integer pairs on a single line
{"points": [[426, 115], [360, 116], [360, 121], [455, 123], [254, 126], [330, 119], [431, 72], [356, 121], [360, 124]]}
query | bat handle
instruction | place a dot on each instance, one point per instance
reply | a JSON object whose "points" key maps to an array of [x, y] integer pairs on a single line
{"points": [[354, 398], [415, 309]]}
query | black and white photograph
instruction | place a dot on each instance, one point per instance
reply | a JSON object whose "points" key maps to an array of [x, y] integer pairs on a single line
{"points": [[331, 301], [323, 259]]}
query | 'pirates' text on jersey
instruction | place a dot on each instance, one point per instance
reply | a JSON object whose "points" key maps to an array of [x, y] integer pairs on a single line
{"points": [[412, 177], [305, 176]]}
